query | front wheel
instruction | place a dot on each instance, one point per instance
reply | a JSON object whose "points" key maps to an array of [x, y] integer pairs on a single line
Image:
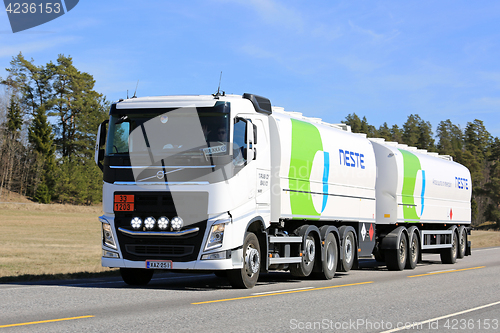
{"points": [[136, 276], [246, 277]]}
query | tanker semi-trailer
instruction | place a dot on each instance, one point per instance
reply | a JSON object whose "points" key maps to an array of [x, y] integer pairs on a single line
{"points": [[230, 184]]}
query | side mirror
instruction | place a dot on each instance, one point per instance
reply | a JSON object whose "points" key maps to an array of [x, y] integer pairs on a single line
{"points": [[100, 142]]}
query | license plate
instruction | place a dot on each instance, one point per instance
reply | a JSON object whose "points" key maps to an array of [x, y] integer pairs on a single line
{"points": [[159, 264]]}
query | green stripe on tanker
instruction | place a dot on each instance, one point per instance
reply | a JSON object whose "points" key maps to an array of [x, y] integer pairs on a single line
{"points": [[306, 142], [411, 165]]}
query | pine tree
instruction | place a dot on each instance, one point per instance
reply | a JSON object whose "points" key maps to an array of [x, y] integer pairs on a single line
{"points": [[41, 139], [450, 138], [385, 132], [353, 121]]}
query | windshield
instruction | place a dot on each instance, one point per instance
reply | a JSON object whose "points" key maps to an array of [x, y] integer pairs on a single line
{"points": [[187, 136]]}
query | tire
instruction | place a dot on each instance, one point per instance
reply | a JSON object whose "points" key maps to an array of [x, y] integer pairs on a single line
{"points": [[349, 253], [246, 277], [413, 252], [330, 257], [136, 276], [462, 242], [449, 256], [396, 259], [305, 267]]}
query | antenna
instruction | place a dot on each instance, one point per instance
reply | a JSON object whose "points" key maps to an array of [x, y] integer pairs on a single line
{"points": [[136, 89], [127, 93], [217, 94]]}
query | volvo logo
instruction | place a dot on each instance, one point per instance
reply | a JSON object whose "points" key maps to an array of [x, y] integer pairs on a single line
{"points": [[160, 174]]}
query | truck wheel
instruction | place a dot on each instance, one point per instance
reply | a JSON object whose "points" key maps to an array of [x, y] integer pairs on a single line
{"points": [[396, 259], [246, 277], [136, 276], [449, 256], [349, 253], [305, 267], [462, 242], [330, 257], [413, 252]]}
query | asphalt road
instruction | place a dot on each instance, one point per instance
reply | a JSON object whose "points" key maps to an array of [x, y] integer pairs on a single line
{"points": [[464, 297]]}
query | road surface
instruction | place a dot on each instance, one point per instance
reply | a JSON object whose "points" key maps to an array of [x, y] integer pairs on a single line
{"points": [[464, 297]]}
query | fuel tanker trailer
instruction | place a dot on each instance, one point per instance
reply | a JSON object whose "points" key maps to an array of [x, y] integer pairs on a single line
{"points": [[232, 185]]}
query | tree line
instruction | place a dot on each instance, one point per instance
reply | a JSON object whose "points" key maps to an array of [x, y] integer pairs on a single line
{"points": [[473, 147], [48, 121]]}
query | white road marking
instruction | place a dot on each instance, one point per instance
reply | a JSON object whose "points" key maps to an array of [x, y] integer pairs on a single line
{"points": [[442, 317]]}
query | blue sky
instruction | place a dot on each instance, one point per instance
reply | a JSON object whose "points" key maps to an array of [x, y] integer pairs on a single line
{"points": [[381, 59]]}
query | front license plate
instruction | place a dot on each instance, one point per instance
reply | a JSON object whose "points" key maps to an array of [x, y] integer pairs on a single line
{"points": [[159, 264]]}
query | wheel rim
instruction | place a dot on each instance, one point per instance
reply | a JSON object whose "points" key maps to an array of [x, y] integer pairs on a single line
{"points": [[462, 242], [348, 249], [402, 250], [454, 246], [310, 250], [252, 260], [414, 249], [330, 258]]}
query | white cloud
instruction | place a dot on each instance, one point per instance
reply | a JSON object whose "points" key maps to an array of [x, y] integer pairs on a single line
{"points": [[36, 45]]}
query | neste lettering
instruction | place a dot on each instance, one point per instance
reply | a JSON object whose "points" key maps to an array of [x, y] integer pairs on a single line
{"points": [[352, 159]]}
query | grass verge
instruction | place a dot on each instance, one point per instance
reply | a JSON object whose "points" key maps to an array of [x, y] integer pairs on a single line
{"points": [[49, 242]]}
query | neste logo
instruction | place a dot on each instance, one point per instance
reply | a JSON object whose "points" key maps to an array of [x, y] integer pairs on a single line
{"points": [[27, 14]]}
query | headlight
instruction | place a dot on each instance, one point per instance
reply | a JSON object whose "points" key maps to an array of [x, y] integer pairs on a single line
{"points": [[163, 223], [216, 236], [136, 223], [149, 223], [107, 234], [177, 223]]}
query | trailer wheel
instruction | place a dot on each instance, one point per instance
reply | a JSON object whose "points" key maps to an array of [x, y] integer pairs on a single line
{"points": [[413, 252], [349, 253], [462, 242], [136, 276], [330, 258], [246, 277], [449, 255], [396, 259], [305, 267]]}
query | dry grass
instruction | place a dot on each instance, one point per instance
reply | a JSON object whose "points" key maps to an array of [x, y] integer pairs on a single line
{"points": [[38, 240], [480, 238]]}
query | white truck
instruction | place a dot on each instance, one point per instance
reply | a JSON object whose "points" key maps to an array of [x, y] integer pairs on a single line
{"points": [[230, 184]]}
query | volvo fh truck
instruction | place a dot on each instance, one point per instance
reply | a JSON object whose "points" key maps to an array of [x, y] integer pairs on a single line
{"points": [[232, 185]]}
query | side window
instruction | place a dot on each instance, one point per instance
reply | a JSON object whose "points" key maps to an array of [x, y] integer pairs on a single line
{"points": [[239, 142]]}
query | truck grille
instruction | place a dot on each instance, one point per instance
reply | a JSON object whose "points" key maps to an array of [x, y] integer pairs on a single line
{"points": [[191, 206]]}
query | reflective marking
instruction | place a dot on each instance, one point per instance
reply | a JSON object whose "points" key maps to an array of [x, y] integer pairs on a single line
{"points": [[279, 291], [45, 321], [439, 318], [449, 271], [282, 293]]}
